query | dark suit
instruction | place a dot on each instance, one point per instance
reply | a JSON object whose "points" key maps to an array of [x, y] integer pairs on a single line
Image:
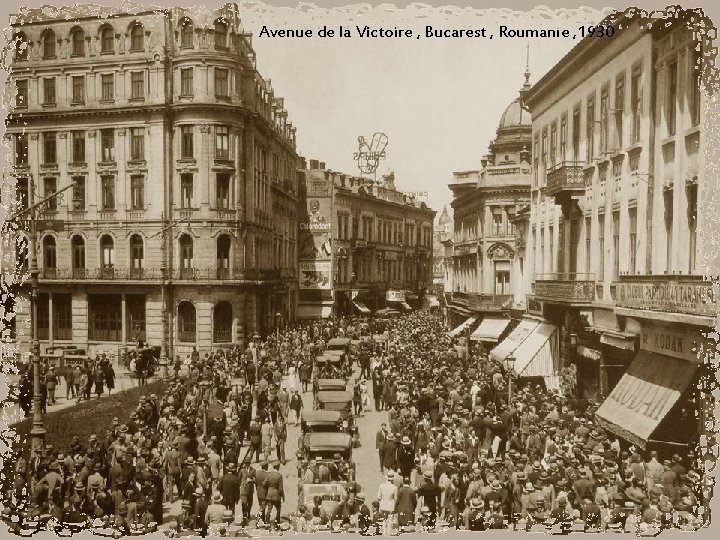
{"points": [[275, 494], [229, 487], [405, 504]]}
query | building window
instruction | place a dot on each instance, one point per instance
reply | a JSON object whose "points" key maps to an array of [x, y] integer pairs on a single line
{"points": [[49, 91], [78, 43], [107, 143], [107, 251], [186, 251], [576, 134], [563, 137], [604, 120], [601, 248], [220, 35], [62, 316], [574, 225], [222, 142], [186, 82], [222, 323], [107, 40], [137, 89], [78, 252], [536, 160], [671, 98], [137, 192], [108, 192], [223, 256], [636, 103], [692, 226], [551, 250], [50, 188], [21, 95], [21, 253], [553, 143], [695, 95], [222, 190], [49, 45], [618, 112], [105, 317], [137, 144], [221, 82], [502, 277], [78, 193], [186, 33], [137, 38], [186, 142], [544, 149], [186, 190], [497, 221], [616, 245], [669, 215], [43, 316], [78, 89], [137, 252], [49, 148], [588, 244], [108, 87], [49, 252], [21, 149], [22, 193], [590, 130], [632, 241], [21, 47], [78, 147], [186, 322]]}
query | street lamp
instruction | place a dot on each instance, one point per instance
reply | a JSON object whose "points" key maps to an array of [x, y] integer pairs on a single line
{"points": [[37, 433], [278, 318], [510, 367]]}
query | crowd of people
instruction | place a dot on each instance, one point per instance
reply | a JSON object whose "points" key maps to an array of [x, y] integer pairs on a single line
{"points": [[456, 448]]}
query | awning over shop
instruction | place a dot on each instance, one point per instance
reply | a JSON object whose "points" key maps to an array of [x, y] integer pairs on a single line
{"points": [[508, 345], [490, 329], [462, 327], [537, 355], [361, 307], [645, 395]]}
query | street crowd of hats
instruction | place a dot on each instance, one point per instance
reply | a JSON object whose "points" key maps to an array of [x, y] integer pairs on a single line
{"points": [[455, 451], [458, 450]]}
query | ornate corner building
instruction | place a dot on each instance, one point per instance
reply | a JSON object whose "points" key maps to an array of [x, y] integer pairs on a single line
{"points": [[181, 225]]}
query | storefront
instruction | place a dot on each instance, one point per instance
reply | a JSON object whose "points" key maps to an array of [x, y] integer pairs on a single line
{"points": [[396, 300], [463, 327]]}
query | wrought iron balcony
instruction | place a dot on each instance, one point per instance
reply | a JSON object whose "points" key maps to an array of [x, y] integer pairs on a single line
{"points": [[108, 273], [565, 179], [565, 288]]}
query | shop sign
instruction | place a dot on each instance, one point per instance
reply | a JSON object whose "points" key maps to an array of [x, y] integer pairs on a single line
{"points": [[676, 343], [395, 296], [691, 297]]}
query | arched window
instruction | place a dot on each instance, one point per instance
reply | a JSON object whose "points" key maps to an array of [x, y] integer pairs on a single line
{"points": [[78, 253], [107, 40], [78, 42], [137, 38], [223, 256], [186, 322], [222, 323], [187, 29], [107, 251], [22, 47], [49, 44], [49, 252], [137, 252], [220, 35], [186, 256]]}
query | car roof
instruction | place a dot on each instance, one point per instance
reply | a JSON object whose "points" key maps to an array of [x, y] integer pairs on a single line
{"points": [[328, 441], [338, 341], [342, 382], [321, 416], [334, 396]]}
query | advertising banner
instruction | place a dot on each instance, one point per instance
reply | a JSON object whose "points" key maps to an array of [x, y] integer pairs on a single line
{"points": [[314, 274]]}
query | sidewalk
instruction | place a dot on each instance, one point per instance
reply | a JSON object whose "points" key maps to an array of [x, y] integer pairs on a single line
{"points": [[11, 412]]}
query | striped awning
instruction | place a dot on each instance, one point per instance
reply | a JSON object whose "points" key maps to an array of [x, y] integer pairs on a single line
{"points": [[462, 327], [490, 329]]}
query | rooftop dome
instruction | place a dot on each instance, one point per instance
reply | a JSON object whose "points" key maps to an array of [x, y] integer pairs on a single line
{"points": [[515, 115]]}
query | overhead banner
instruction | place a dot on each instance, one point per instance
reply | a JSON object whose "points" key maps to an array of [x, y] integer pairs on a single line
{"points": [[395, 296], [314, 275]]}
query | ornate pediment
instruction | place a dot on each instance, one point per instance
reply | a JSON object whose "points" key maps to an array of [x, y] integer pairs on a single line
{"points": [[500, 250]]}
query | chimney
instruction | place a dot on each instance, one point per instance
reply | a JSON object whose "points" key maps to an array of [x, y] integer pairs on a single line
{"points": [[303, 163], [314, 164], [321, 165]]}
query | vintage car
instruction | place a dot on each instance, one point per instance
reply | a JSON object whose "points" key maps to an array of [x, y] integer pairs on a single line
{"points": [[321, 422], [324, 447], [332, 497], [339, 344], [335, 400], [332, 384]]}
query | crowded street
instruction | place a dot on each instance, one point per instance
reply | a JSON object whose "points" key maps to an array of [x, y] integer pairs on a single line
{"points": [[431, 442]]}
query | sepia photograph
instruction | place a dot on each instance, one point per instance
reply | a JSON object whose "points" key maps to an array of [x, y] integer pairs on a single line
{"points": [[365, 269]]}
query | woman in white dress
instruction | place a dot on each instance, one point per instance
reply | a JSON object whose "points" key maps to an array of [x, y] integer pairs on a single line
{"points": [[364, 395], [292, 379]]}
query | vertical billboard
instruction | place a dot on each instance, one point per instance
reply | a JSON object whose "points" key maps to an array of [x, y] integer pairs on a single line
{"points": [[315, 235]]}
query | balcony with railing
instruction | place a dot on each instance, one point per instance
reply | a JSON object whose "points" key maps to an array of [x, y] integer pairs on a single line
{"points": [[108, 273], [565, 179], [565, 288]]}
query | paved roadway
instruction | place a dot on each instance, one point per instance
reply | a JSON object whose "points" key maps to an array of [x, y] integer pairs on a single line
{"points": [[365, 458]]}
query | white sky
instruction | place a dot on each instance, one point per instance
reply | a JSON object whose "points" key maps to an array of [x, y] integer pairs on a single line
{"points": [[438, 100]]}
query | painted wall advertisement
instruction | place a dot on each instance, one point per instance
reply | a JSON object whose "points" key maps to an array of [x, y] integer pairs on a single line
{"points": [[315, 274]]}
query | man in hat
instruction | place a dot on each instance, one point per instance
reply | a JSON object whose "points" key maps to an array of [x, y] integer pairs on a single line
{"points": [[405, 503], [364, 516], [380, 438], [215, 512], [229, 487], [387, 495], [275, 494], [430, 497], [406, 457], [389, 453], [261, 488]]}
